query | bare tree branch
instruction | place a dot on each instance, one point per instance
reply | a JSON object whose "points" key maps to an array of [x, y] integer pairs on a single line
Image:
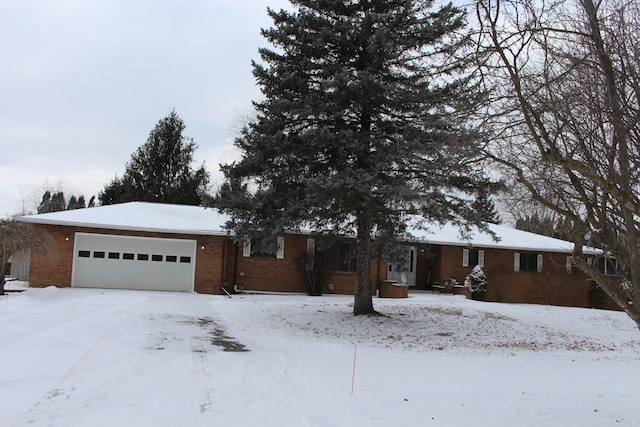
{"points": [[564, 114]]}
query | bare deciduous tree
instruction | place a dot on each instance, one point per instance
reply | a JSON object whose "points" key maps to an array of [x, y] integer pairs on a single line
{"points": [[565, 78], [17, 236]]}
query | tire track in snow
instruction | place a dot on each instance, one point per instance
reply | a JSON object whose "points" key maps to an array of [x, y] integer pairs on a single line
{"points": [[203, 391], [42, 411]]}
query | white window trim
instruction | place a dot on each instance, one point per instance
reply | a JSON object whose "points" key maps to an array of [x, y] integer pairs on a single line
{"points": [[246, 248], [539, 263], [516, 262], [465, 257]]}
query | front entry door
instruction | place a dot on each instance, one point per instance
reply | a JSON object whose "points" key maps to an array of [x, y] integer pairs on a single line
{"points": [[404, 272]]}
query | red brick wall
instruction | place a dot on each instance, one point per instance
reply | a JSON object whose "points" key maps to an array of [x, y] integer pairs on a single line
{"points": [[210, 252], [55, 269], [271, 274], [288, 274], [342, 282], [551, 286], [221, 262]]}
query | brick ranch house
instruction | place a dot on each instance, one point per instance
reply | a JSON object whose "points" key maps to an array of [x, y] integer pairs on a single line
{"points": [[185, 248]]}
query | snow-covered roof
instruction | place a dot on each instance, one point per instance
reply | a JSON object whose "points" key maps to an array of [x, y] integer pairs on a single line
{"points": [[507, 238], [157, 217], [140, 216]]}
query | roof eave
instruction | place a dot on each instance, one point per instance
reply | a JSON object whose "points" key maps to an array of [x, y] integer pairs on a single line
{"points": [[124, 227]]}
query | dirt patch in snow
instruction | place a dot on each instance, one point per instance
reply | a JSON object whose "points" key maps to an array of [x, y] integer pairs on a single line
{"points": [[181, 329], [219, 338]]}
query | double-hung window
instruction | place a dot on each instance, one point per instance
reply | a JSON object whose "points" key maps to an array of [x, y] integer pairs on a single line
{"points": [[472, 257], [527, 261]]}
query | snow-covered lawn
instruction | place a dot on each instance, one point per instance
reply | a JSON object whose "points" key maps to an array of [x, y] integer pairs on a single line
{"points": [[81, 357]]}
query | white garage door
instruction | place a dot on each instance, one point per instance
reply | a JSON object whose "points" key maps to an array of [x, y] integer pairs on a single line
{"points": [[125, 262]]}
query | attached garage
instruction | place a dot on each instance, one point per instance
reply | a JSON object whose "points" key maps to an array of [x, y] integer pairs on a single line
{"points": [[129, 262]]}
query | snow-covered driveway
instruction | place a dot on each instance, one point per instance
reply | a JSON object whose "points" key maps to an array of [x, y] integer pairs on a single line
{"points": [[86, 357], [90, 357]]}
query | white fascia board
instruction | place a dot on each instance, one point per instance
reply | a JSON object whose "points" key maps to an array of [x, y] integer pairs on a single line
{"points": [[33, 220]]}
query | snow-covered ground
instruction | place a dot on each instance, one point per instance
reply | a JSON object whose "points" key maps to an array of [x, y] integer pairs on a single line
{"points": [[86, 357]]}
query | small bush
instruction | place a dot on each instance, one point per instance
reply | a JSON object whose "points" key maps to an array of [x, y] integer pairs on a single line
{"points": [[476, 282], [315, 277]]}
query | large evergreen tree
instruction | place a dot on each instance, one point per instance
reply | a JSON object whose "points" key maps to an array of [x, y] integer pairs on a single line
{"points": [[361, 130], [160, 170]]}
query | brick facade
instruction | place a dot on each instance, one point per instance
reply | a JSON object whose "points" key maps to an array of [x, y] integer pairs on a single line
{"points": [[220, 262], [554, 285], [272, 274], [288, 274]]}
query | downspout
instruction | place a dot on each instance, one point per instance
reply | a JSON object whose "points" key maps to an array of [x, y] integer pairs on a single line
{"points": [[235, 268], [380, 248], [224, 262]]}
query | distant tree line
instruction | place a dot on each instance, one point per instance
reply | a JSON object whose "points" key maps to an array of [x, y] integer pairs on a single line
{"points": [[559, 228], [56, 202]]}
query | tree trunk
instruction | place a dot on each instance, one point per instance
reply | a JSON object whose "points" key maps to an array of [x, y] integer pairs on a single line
{"points": [[628, 304], [363, 300], [629, 299], [2, 278]]}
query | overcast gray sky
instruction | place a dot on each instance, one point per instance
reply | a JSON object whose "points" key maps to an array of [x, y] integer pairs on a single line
{"points": [[83, 82]]}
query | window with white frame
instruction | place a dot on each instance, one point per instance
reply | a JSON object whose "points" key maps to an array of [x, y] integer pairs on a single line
{"points": [[472, 257], [527, 262], [264, 248]]}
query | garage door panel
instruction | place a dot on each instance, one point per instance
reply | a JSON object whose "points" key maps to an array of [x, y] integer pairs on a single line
{"points": [[127, 262]]}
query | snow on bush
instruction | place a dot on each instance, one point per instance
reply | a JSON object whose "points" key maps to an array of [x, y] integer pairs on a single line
{"points": [[476, 281]]}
